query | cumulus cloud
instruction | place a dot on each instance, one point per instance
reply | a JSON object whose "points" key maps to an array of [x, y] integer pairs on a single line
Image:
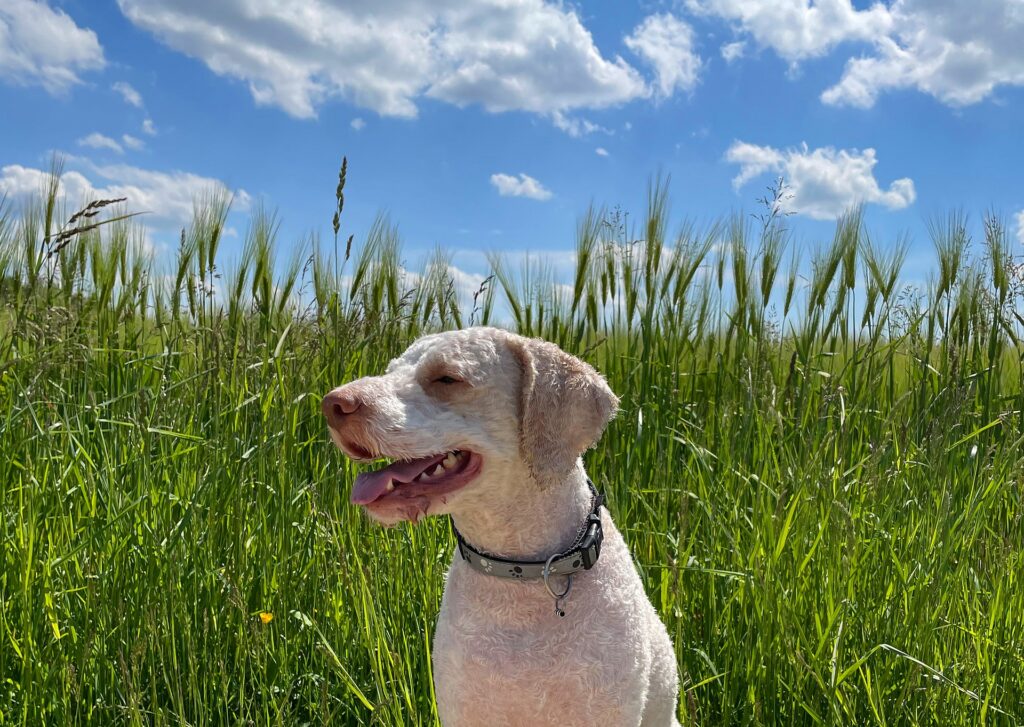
{"points": [[466, 284], [601, 151], [358, 124], [385, 56], [1020, 226], [823, 182], [129, 94], [501, 55], [521, 186], [167, 197], [957, 52], [666, 43], [40, 45], [799, 29], [148, 127], [96, 140]]}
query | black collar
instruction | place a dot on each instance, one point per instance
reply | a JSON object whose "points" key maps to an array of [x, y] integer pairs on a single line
{"points": [[581, 555]]}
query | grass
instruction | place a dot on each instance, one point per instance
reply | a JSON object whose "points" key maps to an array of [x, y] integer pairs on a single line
{"points": [[818, 469]]}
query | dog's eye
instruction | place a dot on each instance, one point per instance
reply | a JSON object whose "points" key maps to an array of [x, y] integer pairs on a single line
{"points": [[446, 380]]}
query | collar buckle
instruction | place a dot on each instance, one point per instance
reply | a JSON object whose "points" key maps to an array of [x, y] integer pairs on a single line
{"points": [[590, 547]]}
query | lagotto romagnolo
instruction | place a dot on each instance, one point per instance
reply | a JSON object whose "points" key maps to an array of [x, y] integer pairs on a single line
{"points": [[488, 427]]}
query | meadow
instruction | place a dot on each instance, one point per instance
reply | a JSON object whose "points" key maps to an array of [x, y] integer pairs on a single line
{"points": [[817, 465]]}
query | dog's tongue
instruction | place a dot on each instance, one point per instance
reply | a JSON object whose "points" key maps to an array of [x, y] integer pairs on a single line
{"points": [[371, 486]]}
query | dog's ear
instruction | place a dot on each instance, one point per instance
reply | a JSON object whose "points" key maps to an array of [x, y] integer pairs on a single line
{"points": [[564, 406]]}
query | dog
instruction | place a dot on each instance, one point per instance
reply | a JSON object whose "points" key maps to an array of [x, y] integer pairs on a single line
{"points": [[489, 427]]}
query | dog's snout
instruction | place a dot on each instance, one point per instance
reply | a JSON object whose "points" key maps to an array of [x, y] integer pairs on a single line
{"points": [[339, 404]]}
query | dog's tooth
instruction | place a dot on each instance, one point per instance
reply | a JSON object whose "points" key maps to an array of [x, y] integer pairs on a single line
{"points": [[390, 485], [437, 470], [450, 460]]}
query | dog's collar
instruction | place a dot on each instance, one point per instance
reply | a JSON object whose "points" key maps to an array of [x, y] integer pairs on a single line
{"points": [[581, 555]]}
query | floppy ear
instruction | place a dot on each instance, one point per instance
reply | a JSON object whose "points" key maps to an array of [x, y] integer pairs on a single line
{"points": [[564, 406]]}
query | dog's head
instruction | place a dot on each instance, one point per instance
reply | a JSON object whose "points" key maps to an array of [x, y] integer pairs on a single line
{"points": [[465, 412]]}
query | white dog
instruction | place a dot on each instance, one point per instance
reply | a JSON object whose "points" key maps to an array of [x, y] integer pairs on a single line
{"points": [[488, 427]]}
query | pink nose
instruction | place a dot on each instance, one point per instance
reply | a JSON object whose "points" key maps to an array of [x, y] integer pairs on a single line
{"points": [[339, 404]]}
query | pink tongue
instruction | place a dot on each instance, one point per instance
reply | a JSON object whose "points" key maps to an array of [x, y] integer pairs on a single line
{"points": [[371, 486]]}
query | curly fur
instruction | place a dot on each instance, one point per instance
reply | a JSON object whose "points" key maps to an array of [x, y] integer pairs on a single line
{"points": [[501, 656]]}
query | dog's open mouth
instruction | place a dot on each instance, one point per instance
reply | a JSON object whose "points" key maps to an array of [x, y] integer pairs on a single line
{"points": [[432, 476]]}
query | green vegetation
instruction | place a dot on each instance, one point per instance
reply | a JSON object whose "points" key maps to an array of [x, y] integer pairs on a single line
{"points": [[819, 476]]}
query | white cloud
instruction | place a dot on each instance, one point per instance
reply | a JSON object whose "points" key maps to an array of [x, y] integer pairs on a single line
{"points": [[957, 52], [529, 55], [42, 45], [502, 55], [733, 51], [576, 126], [129, 94], [1020, 226], [358, 124], [823, 182], [167, 197], [148, 127], [799, 29], [466, 284], [666, 42], [132, 142], [521, 186], [97, 140], [601, 151]]}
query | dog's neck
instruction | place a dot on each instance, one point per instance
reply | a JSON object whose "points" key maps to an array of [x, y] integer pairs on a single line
{"points": [[525, 522]]}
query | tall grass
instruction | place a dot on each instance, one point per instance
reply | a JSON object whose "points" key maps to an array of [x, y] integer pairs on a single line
{"points": [[817, 468]]}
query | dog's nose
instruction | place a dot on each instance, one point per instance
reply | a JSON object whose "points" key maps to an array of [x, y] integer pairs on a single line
{"points": [[338, 404]]}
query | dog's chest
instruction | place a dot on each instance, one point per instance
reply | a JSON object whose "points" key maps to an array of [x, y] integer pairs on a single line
{"points": [[503, 656]]}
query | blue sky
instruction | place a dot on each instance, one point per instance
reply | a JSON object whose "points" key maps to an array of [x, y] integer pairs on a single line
{"points": [[492, 124]]}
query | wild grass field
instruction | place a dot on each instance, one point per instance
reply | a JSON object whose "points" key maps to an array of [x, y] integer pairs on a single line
{"points": [[817, 466]]}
